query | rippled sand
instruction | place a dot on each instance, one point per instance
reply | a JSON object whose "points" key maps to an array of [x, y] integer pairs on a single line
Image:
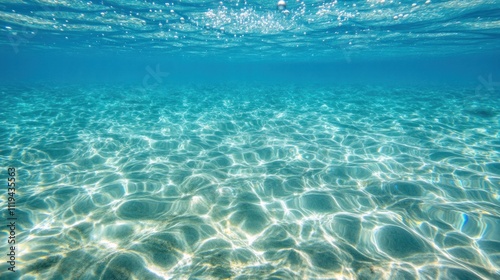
{"points": [[254, 182]]}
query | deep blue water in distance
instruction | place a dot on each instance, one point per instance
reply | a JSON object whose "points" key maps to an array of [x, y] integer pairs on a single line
{"points": [[249, 140], [50, 66]]}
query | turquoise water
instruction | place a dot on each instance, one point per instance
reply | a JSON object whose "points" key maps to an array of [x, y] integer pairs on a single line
{"points": [[236, 140]]}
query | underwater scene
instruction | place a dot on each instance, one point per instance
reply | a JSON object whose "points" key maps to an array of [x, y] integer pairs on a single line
{"points": [[250, 139]]}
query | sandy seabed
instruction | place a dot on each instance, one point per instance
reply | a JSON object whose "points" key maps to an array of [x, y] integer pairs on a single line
{"points": [[254, 182]]}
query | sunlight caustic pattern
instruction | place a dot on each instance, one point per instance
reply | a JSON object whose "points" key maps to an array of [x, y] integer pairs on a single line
{"points": [[234, 182]]}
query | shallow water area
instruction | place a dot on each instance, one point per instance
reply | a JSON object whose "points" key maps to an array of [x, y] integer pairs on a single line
{"points": [[227, 181], [250, 139]]}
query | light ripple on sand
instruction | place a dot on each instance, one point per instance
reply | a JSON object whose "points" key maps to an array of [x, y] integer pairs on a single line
{"points": [[311, 183]]}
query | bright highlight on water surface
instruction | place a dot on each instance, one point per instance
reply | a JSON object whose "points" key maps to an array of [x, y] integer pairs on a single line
{"points": [[244, 29]]}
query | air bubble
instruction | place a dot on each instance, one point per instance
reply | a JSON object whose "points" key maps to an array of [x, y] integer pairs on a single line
{"points": [[281, 5]]}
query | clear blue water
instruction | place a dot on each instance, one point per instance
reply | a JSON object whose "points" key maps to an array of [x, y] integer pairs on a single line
{"points": [[236, 140]]}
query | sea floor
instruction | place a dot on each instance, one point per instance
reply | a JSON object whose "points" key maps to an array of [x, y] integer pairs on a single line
{"points": [[246, 181]]}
